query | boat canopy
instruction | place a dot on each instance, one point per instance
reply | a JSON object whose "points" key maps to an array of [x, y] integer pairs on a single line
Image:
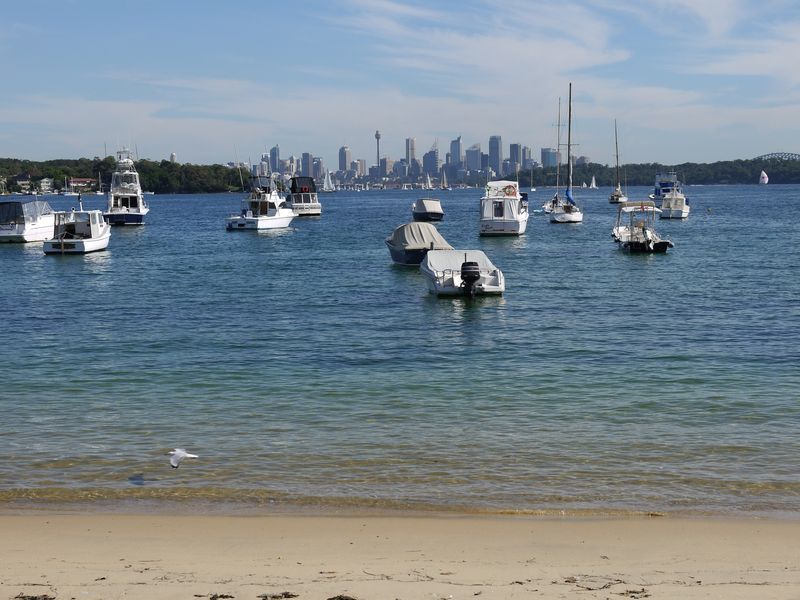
{"points": [[502, 189], [415, 236], [429, 205], [16, 211], [451, 260], [303, 185], [638, 205]]}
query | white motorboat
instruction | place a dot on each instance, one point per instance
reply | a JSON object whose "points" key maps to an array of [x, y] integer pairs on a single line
{"points": [[409, 243], [504, 211], [665, 183], [635, 230], [264, 208], [674, 205], [303, 198], [461, 273], [28, 220], [563, 209], [427, 209], [617, 195], [126, 205], [78, 232]]}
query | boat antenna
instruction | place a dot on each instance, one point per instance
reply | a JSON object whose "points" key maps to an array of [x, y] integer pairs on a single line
{"points": [[238, 167]]}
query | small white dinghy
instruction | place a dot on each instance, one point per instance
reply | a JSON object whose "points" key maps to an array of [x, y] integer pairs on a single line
{"points": [[461, 273]]}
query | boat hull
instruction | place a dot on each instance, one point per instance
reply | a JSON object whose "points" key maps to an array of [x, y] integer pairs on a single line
{"points": [[27, 233], [427, 216], [124, 218], [674, 213], [407, 257], [640, 247], [306, 210], [566, 217], [490, 227], [76, 246], [258, 223]]}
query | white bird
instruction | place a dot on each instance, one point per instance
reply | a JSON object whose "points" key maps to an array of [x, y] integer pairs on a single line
{"points": [[177, 457]]}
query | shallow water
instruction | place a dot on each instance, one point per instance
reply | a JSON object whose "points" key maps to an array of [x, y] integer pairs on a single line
{"points": [[304, 368]]}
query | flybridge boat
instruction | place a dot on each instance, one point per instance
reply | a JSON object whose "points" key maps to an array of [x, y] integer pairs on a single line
{"points": [[264, 208], [635, 231], [674, 205], [409, 243], [461, 273], [504, 211], [126, 205], [26, 220], [78, 232], [303, 198], [427, 209]]}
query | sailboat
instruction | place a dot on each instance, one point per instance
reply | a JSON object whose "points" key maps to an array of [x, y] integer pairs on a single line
{"points": [[763, 179], [443, 184], [564, 209], [327, 185], [593, 185], [428, 184], [617, 195], [533, 189]]}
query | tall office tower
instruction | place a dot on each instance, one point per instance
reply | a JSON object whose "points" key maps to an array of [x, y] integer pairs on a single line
{"points": [[411, 149], [496, 154], [378, 148], [344, 158], [318, 169], [430, 161], [307, 165], [526, 156], [456, 152], [275, 158], [473, 157], [361, 167], [550, 157], [514, 158]]}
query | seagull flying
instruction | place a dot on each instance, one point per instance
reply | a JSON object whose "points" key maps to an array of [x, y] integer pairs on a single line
{"points": [[177, 457]]}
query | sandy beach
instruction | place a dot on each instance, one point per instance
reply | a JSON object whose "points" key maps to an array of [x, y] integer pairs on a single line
{"points": [[103, 556]]}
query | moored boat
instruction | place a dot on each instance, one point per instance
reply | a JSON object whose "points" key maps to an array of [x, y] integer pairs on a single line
{"points": [[635, 231], [461, 273], [303, 198], [29, 220], [126, 205], [427, 209], [617, 195], [504, 211], [408, 244], [674, 205], [264, 208], [78, 232], [565, 210]]}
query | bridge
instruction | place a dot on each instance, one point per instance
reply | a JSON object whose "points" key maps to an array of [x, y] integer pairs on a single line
{"points": [[778, 155]]}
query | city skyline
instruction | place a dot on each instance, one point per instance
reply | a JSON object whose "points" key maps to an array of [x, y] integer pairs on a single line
{"points": [[191, 80]]}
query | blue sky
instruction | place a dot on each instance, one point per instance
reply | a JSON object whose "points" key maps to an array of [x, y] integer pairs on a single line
{"points": [[687, 80]]}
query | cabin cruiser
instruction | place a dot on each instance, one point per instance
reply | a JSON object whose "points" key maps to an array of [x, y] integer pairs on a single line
{"points": [[635, 231], [78, 232], [674, 205], [264, 207], [504, 211], [126, 205], [427, 209], [303, 198], [665, 183], [461, 273], [409, 243], [28, 220]]}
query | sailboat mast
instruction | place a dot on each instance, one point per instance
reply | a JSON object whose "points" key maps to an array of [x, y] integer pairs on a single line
{"points": [[569, 140], [558, 146], [616, 150]]}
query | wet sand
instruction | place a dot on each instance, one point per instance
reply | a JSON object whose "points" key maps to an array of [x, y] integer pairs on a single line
{"points": [[102, 556]]}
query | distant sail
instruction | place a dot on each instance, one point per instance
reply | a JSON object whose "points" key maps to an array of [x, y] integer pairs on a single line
{"points": [[763, 180], [593, 185]]}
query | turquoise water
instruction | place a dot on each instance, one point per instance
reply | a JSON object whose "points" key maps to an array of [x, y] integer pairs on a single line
{"points": [[305, 369]]}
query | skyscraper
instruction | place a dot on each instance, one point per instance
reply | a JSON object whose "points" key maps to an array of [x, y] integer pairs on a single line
{"points": [[514, 157], [456, 152], [496, 154], [344, 158], [473, 158], [411, 152], [550, 157], [377, 148], [430, 161], [307, 165], [275, 158]]}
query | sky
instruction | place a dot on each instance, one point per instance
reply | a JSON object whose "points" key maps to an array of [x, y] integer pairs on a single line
{"points": [[213, 82]]}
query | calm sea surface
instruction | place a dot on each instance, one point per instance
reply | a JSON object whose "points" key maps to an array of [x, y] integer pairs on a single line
{"points": [[307, 370]]}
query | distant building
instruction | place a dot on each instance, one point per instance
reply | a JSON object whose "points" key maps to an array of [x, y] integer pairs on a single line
{"points": [[514, 158], [345, 158], [275, 158], [430, 162], [472, 158], [385, 166], [411, 152], [496, 154], [550, 157], [582, 160], [318, 169], [307, 165], [173, 158], [456, 152], [287, 167], [46, 185], [361, 167]]}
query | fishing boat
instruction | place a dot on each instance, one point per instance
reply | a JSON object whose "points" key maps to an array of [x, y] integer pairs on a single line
{"points": [[264, 208], [635, 232], [78, 232], [29, 220], [303, 198], [617, 195], [427, 209], [674, 205], [461, 273], [408, 244], [126, 205], [504, 211], [564, 210], [763, 179]]}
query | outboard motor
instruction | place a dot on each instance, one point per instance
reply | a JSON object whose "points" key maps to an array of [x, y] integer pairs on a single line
{"points": [[470, 274]]}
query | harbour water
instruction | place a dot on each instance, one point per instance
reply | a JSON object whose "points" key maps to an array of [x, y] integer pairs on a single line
{"points": [[307, 370]]}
